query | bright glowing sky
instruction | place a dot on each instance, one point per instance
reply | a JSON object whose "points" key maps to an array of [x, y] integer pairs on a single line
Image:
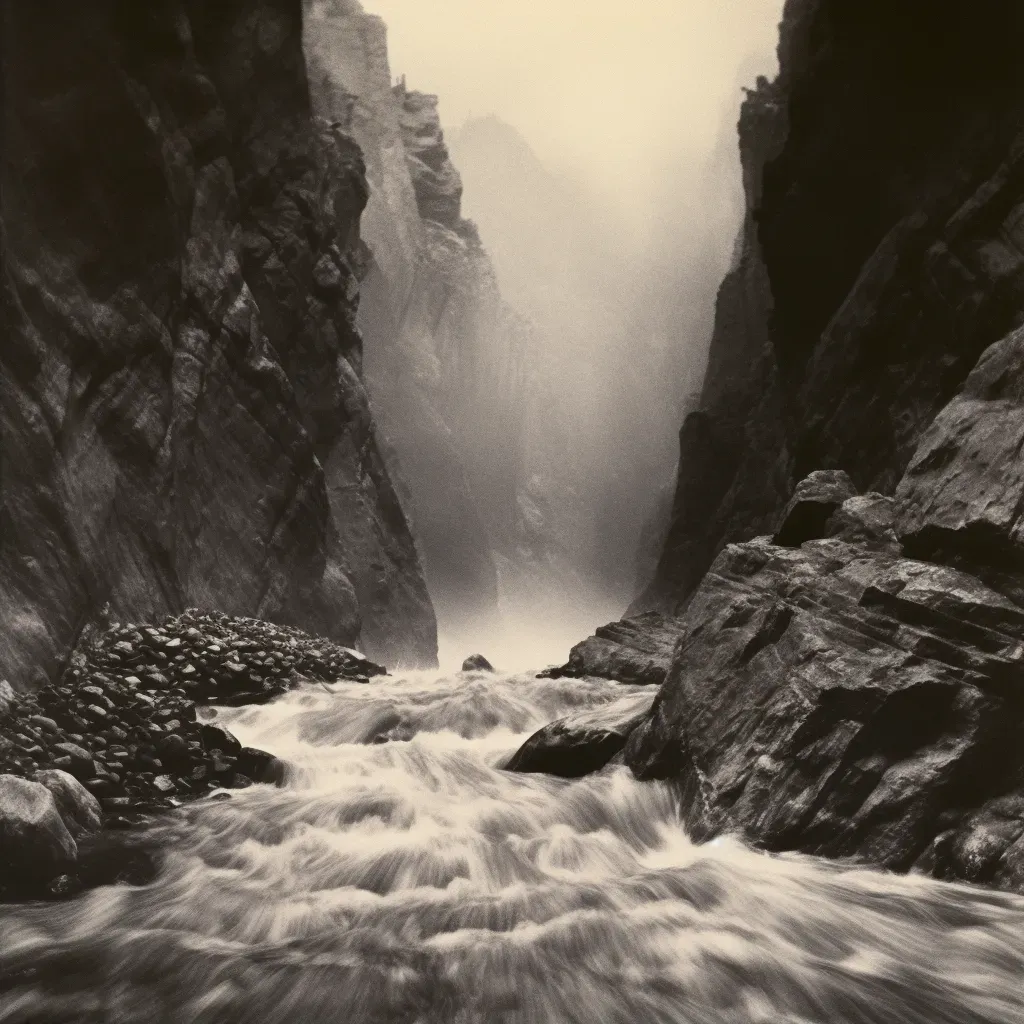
{"points": [[617, 93]]}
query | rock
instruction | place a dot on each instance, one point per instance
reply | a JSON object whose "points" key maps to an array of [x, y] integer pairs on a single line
{"points": [[34, 844], [216, 737], [868, 520], [815, 500], [259, 766], [173, 751], [963, 492], [580, 744], [637, 650], [78, 808], [840, 701], [80, 765], [477, 663], [235, 199], [854, 311]]}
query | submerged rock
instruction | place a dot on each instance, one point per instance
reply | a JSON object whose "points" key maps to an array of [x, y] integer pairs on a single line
{"points": [[579, 744], [477, 663]]}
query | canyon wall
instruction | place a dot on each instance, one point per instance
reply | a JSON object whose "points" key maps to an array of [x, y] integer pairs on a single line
{"points": [[184, 419], [881, 255], [446, 356], [840, 658]]}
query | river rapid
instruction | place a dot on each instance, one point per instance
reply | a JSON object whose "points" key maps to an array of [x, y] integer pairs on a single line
{"points": [[401, 876]]}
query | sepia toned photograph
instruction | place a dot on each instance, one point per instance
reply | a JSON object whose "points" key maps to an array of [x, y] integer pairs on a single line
{"points": [[511, 512]]}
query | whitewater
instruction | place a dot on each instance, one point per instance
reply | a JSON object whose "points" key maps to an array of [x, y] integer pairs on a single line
{"points": [[400, 875]]}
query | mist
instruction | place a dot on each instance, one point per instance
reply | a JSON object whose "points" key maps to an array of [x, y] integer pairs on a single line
{"points": [[599, 159]]}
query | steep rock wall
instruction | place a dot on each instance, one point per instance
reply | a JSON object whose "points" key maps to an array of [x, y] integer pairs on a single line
{"points": [[183, 416], [882, 254], [445, 355]]}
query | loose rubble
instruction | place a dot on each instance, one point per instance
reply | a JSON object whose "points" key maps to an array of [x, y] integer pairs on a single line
{"points": [[121, 736]]}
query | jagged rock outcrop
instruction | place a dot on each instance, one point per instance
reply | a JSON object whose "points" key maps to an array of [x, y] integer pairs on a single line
{"points": [[637, 650], [444, 353], [183, 416], [839, 698], [881, 255]]}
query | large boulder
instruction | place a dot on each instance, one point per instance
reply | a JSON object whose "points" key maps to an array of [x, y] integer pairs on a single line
{"points": [[477, 663], [35, 846], [78, 808], [844, 702], [580, 744]]}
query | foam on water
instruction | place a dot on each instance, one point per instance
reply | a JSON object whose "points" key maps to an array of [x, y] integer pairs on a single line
{"points": [[400, 875]]}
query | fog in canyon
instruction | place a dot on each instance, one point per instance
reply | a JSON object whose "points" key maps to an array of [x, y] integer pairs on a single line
{"points": [[598, 157]]}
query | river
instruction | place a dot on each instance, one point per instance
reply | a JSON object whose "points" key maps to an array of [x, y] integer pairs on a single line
{"points": [[412, 880]]}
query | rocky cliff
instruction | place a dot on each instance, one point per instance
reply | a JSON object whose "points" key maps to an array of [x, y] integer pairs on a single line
{"points": [[183, 415], [880, 257], [842, 657], [445, 355]]}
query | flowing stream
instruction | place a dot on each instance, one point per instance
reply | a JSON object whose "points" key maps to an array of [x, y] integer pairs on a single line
{"points": [[401, 876]]}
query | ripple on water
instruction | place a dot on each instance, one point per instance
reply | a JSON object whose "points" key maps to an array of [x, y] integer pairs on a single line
{"points": [[413, 880]]}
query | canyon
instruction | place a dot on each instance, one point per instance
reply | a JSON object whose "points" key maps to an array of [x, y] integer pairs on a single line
{"points": [[274, 421]]}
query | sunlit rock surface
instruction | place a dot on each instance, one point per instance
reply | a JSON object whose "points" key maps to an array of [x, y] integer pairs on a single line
{"points": [[183, 413]]}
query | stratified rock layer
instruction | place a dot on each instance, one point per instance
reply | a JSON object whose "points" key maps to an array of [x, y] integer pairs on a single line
{"points": [[182, 412], [637, 650]]}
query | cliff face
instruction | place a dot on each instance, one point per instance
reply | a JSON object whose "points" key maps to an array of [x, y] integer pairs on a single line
{"points": [[848, 685], [445, 355], [183, 414], [881, 256]]}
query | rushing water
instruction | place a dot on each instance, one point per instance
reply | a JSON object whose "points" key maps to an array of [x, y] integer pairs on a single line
{"points": [[410, 879]]}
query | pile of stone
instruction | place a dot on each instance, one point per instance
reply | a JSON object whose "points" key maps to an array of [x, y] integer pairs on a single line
{"points": [[122, 732]]}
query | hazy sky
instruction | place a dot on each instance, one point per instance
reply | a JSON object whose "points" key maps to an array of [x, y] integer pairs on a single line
{"points": [[617, 93]]}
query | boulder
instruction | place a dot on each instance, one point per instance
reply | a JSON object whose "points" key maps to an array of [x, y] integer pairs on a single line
{"points": [[78, 808], [580, 744], [216, 737], [816, 499], [260, 766], [477, 663], [842, 701], [35, 846]]}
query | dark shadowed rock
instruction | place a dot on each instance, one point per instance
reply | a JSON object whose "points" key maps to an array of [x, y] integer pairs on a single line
{"points": [[35, 846], [260, 766], [183, 415], [216, 737], [840, 701], [813, 503], [580, 744], [477, 663], [880, 256], [637, 650]]}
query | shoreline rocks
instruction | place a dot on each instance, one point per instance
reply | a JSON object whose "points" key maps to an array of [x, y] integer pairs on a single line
{"points": [[121, 736]]}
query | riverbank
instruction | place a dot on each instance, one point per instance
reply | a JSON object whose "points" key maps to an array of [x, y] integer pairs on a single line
{"points": [[124, 737]]}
